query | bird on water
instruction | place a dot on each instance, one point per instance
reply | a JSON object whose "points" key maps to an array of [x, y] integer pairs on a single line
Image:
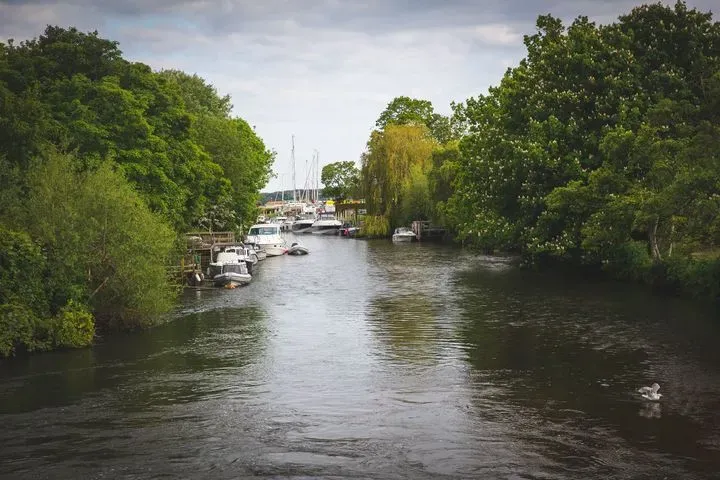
{"points": [[650, 393]]}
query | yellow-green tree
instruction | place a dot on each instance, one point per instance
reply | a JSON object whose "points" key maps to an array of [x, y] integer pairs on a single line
{"points": [[394, 156]]}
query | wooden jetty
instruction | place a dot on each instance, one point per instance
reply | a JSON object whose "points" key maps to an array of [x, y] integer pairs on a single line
{"points": [[199, 253], [425, 231]]}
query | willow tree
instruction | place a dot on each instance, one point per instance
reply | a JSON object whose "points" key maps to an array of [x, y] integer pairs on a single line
{"points": [[392, 156]]}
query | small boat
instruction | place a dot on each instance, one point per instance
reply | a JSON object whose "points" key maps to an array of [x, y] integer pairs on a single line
{"points": [[349, 231], [403, 234], [296, 249], [246, 254], [229, 269], [303, 223], [268, 236], [326, 224]]}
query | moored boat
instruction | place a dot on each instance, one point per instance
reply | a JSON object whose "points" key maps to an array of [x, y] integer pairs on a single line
{"points": [[229, 269], [246, 254], [297, 249], [268, 236], [326, 224], [403, 234], [303, 224]]}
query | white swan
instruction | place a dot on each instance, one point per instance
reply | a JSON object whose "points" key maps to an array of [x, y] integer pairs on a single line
{"points": [[650, 393]]}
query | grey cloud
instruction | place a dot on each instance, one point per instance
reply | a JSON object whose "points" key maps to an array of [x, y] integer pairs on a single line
{"points": [[272, 17]]}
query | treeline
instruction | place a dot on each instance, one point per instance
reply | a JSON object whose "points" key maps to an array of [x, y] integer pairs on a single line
{"points": [[103, 163], [601, 148]]}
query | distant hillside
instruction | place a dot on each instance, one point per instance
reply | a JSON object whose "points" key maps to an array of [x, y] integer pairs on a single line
{"points": [[278, 195]]}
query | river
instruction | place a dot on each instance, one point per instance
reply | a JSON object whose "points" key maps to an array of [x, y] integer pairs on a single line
{"points": [[366, 359]]}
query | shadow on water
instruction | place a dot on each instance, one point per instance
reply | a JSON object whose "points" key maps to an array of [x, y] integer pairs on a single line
{"points": [[566, 358], [173, 360]]}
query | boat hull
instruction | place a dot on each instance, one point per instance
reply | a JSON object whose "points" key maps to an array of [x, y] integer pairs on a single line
{"points": [[298, 250], [274, 250], [403, 238], [231, 278], [326, 231], [349, 232], [302, 229]]}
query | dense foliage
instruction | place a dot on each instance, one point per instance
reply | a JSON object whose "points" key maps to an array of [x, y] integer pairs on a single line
{"points": [[602, 147], [341, 180], [404, 175], [103, 162]]}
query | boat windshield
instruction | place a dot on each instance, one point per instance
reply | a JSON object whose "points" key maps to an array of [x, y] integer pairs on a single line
{"points": [[263, 231], [233, 268]]}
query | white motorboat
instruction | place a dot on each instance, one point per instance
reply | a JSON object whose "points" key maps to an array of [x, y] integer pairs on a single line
{"points": [[267, 235], [303, 223], [326, 224], [297, 249], [403, 234], [229, 270], [247, 254]]}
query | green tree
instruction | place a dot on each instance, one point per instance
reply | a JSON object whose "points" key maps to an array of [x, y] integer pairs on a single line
{"points": [[104, 247], [411, 111], [340, 179], [600, 146], [441, 181], [232, 144], [405, 111], [388, 164], [200, 97], [245, 161], [74, 91], [416, 203]]}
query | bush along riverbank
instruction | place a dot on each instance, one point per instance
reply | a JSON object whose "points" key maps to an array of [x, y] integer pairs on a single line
{"points": [[103, 162]]}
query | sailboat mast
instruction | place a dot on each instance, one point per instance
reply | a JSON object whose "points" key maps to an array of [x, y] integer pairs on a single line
{"points": [[292, 155]]}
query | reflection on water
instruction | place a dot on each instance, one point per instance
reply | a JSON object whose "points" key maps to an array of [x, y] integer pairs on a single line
{"points": [[651, 410], [407, 324], [366, 359]]}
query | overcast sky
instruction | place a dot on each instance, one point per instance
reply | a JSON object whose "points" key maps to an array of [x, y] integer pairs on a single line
{"points": [[322, 70]]}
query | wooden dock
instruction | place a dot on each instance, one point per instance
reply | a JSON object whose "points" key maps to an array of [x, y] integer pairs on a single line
{"points": [[424, 231], [199, 253]]}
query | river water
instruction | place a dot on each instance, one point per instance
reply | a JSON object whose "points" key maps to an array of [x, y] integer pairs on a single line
{"points": [[366, 359]]}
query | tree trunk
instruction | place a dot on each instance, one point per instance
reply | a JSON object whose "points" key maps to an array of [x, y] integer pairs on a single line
{"points": [[653, 240]]}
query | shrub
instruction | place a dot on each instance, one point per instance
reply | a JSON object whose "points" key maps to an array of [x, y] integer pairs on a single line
{"points": [[20, 327], [22, 269], [697, 278], [73, 326]]}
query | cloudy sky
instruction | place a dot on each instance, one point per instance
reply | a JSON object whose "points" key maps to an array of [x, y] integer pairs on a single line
{"points": [[321, 70]]}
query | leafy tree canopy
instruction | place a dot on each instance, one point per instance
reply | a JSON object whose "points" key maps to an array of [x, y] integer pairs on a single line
{"points": [[341, 180]]}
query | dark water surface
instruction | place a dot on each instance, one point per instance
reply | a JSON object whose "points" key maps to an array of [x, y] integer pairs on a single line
{"points": [[373, 360]]}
